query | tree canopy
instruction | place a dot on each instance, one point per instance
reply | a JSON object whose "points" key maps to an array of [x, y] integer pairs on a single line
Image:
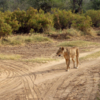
{"points": [[46, 5]]}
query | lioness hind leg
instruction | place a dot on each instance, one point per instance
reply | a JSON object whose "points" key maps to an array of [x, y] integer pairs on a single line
{"points": [[73, 63], [77, 57], [67, 63]]}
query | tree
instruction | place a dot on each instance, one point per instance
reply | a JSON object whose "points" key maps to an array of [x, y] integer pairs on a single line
{"points": [[46, 5], [14, 4], [96, 4], [3, 5], [76, 5]]}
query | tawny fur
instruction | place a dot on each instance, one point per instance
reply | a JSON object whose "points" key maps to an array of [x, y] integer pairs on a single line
{"points": [[69, 53]]}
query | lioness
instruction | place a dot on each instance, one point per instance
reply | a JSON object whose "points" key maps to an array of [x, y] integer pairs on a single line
{"points": [[72, 52]]}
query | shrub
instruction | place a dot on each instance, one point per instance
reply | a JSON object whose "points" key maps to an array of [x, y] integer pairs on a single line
{"points": [[62, 19], [66, 19], [40, 21], [94, 14], [22, 19], [31, 12], [5, 29], [81, 22], [20, 16], [12, 21], [28, 20]]}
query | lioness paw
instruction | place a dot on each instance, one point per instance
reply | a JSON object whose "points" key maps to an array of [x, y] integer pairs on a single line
{"points": [[67, 70], [76, 67]]}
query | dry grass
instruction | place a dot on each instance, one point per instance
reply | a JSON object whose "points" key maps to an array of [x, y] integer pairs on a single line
{"points": [[24, 39], [78, 43], [76, 32], [9, 57], [39, 60], [70, 32], [91, 56], [91, 32], [73, 32]]}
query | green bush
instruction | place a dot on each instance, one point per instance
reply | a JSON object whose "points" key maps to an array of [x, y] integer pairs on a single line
{"points": [[62, 19], [24, 21], [39, 21], [5, 29], [31, 12], [20, 16], [94, 14], [12, 21], [81, 22], [66, 19]]}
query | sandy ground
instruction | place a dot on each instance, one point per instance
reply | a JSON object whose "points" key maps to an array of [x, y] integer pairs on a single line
{"points": [[23, 81]]}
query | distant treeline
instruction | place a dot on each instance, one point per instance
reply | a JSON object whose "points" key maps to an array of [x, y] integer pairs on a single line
{"points": [[46, 5]]}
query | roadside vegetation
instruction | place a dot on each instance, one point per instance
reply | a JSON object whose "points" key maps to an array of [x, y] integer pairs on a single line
{"points": [[39, 16], [39, 60], [15, 40], [91, 56], [10, 57], [34, 21], [79, 43]]}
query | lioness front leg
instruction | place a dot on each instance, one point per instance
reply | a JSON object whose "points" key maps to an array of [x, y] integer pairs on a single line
{"points": [[74, 63], [67, 63]]}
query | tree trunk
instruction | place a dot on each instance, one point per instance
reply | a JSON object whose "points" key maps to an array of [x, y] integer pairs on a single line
{"points": [[74, 6]]}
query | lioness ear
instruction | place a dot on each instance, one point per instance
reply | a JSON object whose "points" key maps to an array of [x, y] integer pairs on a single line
{"points": [[62, 48]]}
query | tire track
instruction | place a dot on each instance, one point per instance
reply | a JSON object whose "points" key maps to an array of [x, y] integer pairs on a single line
{"points": [[26, 79], [20, 82], [96, 78], [51, 93], [28, 83], [83, 80], [68, 93], [63, 87]]}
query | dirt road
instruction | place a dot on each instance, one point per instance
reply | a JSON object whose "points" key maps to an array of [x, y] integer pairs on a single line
{"points": [[20, 81]]}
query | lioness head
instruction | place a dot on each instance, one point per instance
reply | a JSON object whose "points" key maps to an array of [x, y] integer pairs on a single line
{"points": [[60, 51]]}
